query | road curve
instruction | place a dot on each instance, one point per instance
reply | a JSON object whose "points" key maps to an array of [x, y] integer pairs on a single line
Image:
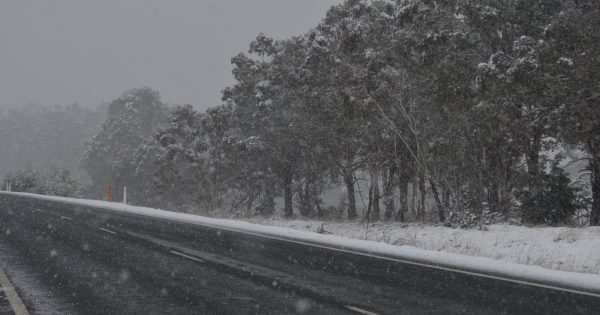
{"points": [[110, 262]]}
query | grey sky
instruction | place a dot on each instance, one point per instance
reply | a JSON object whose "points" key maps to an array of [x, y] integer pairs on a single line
{"points": [[89, 52]]}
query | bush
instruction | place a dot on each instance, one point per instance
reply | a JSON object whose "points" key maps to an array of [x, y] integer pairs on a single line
{"points": [[548, 198], [23, 181], [53, 182]]}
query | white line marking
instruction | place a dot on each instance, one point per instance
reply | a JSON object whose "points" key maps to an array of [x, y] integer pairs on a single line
{"points": [[187, 256], [107, 231], [13, 298], [66, 218], [38, 210], [360, 310]]}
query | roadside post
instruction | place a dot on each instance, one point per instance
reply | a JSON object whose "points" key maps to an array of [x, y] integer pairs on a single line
{"points": [[109, 193]]}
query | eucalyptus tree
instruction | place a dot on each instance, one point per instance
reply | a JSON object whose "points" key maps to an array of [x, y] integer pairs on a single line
{"points": [[518, 87], [338, 93], [574, 39], [266, 98]]}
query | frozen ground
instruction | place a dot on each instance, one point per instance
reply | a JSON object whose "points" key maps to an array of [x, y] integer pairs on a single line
{"points": [[560, 248]]}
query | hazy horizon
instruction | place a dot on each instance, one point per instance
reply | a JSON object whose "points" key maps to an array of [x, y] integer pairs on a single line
{"points": [[67, 51]]}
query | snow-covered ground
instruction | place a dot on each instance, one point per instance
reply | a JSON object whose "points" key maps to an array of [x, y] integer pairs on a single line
{"points": [[560, 248]]}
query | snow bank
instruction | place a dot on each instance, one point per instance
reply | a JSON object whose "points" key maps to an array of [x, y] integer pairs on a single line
{"points": [[559, 248], [438, 239]]}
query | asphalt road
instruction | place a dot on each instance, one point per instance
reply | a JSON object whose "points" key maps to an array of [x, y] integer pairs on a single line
{"points": [[107, 262]]}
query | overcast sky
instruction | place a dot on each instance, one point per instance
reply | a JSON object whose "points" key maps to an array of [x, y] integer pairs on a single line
{"points": [[89, 52]]}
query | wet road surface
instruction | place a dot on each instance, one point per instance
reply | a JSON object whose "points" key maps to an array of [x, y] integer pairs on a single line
{"points": [[98, 261]]}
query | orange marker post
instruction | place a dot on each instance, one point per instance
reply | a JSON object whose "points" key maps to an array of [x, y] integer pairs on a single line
{"points": [[109, 193]]}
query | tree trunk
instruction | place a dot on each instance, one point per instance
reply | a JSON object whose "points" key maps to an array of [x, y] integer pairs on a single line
{"points": [[267, 204], [493, 192], [532, 156], [413, 206], [595, 214], [438, 203], [595, 181], [287, 194], [421, 210], [320, 210], [477, 184], [250, 201], [446, 196], [369, 204], [349, 181], [403, 194], [388, 192], [312, 195], [306, 198], [492, 164], [300, 192], [507, 185], [376, 194]]}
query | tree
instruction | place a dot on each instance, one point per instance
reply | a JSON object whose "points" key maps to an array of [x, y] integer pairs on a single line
{"points": [[184, 166], [109, 156], [574, 38], [335, 79]]}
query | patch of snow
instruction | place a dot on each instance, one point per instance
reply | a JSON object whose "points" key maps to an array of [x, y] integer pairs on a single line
{"points": [[566, 61]]}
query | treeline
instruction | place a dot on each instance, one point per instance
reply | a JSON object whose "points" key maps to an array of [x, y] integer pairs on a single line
{"points": [[460, 105]]}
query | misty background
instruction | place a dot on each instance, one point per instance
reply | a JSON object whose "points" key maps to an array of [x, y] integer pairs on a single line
{"points": [[62, 62], [88, 52]]}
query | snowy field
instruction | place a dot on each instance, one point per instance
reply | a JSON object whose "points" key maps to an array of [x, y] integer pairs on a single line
{"points": [[559, 248]]}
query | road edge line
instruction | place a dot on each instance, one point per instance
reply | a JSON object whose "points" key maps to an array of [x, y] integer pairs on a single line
{"points": [[13, 298]]}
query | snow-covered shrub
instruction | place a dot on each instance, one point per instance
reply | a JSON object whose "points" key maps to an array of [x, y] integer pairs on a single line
{"points": [[23, 181], [53, 182], [467, 218], [60, 183]]}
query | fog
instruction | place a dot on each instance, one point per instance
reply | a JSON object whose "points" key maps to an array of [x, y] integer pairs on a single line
{"points": [[89, 52], [65, 52]]}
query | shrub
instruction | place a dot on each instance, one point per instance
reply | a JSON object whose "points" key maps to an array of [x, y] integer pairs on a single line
{"points": [[548, 198], [53, 182]]}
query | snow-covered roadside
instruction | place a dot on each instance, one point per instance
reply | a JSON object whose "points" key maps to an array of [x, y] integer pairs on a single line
{"points": [[434, 258], [559, 248]]}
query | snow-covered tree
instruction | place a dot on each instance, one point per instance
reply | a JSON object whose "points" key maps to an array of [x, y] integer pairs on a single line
{"points": [[130, 120], [574, 39]]}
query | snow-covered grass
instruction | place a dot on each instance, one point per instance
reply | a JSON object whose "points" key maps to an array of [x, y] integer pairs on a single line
{"points": [[559, 248]]}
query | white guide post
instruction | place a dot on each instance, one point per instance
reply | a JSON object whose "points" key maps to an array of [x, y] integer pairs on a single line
{"points": [[125, 195]]}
